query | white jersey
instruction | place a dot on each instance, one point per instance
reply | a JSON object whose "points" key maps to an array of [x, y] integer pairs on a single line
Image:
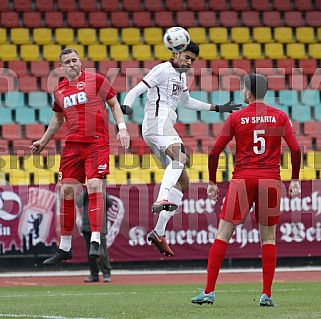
{"points": [[165, 86]]}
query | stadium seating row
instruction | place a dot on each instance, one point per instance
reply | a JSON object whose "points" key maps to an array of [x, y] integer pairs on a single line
{"points": [[184, 18], [141, 52], [154, 35], [157, 5]]}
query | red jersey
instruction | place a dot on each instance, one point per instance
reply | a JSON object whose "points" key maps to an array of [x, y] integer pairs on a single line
{"points": [[258, 129], [83, 104]]}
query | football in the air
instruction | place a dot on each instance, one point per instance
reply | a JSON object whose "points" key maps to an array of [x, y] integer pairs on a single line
{"points": [[176, 39]]}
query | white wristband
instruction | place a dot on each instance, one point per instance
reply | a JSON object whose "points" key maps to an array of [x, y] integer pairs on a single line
{"points": [[121, 126]]}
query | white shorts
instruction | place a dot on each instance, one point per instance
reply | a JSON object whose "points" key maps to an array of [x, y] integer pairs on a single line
{"points": [[159, 133]]}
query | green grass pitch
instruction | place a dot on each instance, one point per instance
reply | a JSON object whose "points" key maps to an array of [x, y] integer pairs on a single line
{"points": [[294, 300]]}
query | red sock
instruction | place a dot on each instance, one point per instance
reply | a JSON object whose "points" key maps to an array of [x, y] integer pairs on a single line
{"points": [[215, 259], [268, 267], [67, 216], [96, 211]]}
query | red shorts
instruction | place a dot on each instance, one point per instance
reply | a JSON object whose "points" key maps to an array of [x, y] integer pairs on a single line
{"points": [[81, 160], [242, 193]]}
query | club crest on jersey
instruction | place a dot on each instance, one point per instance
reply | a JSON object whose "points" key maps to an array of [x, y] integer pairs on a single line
{"points": [[177, 88], [81, 85], [74, 99]]}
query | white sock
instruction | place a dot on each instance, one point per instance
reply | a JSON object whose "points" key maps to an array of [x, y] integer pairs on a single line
{"points": [[171, 175], [174, 196], [65, 242], [95, 236]]}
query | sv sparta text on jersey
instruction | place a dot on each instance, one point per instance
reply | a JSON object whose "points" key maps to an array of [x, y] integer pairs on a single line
{"points": [[258, 119]]}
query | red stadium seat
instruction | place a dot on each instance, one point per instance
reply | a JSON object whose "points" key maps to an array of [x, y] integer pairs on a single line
{"points": [[110, 5], [199, 129], [54, 19], [34, 130], [199, 67], [164, 19], [11, 131], [207, 19], [87, 64], [28, 84], [196, 5], [130, 68], [311, 129], [22, 5], [293, 19], [4, 6], [9, 19], [98, 19], [108, 67], [133, 129], [287, 64], [39, 68], [276, 83], [32, 19], [230, 83], [298, 82], [229, 19], [67, 6], [149, 64], [177, 5], [250, 19], [241, 66], [303, 5], [282, 5], [61, 134], [308, 66], [120, 19], [44, 5], [131, 6], [262, 5], [209, 83], [153, 5], [264, 66], [120, 84], [6, 84], [142, 19], [219, 66], [239, 5], [186, 19], [76, 19], [313, 18], [181, 129], [138, 146], [315, 82], [88, 5], [272, 18], [217, 5], [216, 129], [19, 67]]}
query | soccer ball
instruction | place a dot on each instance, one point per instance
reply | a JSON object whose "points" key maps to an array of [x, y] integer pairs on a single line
{"points": [[176, 39]]}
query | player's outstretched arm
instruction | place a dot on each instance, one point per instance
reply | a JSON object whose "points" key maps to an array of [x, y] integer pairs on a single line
{"points": [[228, 107]]}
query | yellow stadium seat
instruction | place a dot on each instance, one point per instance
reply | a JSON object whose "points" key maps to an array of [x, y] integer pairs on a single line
{"points": [[20, 35], [118, 176], [129, 161], [194, 175], [79, 48], [252, 51], [218, 35], [161, 52], [151, 162], [305, 34], [230, 51], [315, 50], [314, 159], [87, 36], [208, 51], [108, 36], [51, 52], [308, 173], [262, 34], [3, 35], [42, 35], [8, 52], [53, 162], [274, 51], [44, 177], [142, 52], [319, 34], [198, 34], [198, 160], [240, 34], [283, 34], [295, 51], [19, 177], [30, 52], [153, 35], [97, 52], [130, 35], [119, 52], [64, 35]]}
